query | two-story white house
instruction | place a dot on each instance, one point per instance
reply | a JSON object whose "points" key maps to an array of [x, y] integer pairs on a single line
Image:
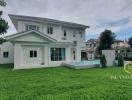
{"points": [[42, 42]]}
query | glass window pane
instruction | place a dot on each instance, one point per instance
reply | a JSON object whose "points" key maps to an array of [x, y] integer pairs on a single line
{"points": [[57, 54], [26, 27], [35, 53], [31, 27], [56, 58], [31, 53], [5, 54], [48, 30], [51, 30], [64, 32]]}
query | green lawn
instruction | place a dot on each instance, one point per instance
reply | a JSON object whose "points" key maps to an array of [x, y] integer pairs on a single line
{"points": [[64, 84]]}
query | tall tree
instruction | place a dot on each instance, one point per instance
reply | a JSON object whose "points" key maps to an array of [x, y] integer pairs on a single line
{"points": [[130, 41], [3, 24], [106, 40]]}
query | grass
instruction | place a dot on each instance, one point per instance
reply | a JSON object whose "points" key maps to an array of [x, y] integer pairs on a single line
{"points": [[65, 84]]}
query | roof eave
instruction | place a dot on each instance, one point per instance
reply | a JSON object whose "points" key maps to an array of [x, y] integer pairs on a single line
{"points": [[39, 19], [10, 37]]}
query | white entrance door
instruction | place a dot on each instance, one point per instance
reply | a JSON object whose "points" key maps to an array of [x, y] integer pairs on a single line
{"points": [[33, 55]]}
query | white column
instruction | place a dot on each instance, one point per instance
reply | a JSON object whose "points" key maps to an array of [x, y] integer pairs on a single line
{"points": [[17, 56], [46, 55], [78, 53], [68, 54]]}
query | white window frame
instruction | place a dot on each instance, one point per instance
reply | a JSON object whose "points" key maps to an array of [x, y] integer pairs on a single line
{"points": [[30, 27], [34, 54], [49, 29]]}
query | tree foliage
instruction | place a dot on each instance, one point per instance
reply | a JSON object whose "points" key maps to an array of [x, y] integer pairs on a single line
{"points": [[106, 40], [2, 3], [2, 40], [3, 24], [130, 42]]}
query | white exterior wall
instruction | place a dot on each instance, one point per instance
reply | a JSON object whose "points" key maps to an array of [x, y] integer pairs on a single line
{"points": [[110, 57], [6, 47], [27, 42], [58, 31], [19, 58]]}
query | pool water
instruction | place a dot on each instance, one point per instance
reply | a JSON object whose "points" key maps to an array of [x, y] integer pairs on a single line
{"points": [[83, 63]]}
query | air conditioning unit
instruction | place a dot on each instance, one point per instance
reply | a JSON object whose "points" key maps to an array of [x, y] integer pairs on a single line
{"points": [[75, 43]]}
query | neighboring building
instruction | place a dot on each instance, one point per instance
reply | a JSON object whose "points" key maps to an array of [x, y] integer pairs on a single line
{"points": [[42, 42], [121, 47], [119, 44], [89, 51]]}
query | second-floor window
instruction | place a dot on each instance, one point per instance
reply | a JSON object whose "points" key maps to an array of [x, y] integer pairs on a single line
{"points": [[74, 34], [65, 33], [32, 27], [50, 29], [81, 34]]}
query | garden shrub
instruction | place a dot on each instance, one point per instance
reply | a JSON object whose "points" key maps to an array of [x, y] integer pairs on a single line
{"points": [[120, 60], [103, 61]]}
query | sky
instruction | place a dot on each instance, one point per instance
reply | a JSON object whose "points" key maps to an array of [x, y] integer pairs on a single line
{"points": [[115, 15]]}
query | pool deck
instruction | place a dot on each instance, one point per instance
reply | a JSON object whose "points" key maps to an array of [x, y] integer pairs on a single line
{"points": [[81, 67]]}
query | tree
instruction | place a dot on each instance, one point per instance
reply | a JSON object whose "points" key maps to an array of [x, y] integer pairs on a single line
{"points": [[106, 40], [2, 3], [2, 40], [3, 24], [130, 42]]}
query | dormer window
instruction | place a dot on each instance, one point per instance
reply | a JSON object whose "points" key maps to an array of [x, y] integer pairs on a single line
{"points": [[32, 27], [50, 29], [65, 33]]}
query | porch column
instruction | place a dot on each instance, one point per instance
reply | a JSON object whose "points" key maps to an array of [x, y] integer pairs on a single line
{"points": [[17, 56], [68, 54], [46, 55]]}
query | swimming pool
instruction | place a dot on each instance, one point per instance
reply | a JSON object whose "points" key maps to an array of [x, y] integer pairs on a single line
{"points": [[83, 64]]}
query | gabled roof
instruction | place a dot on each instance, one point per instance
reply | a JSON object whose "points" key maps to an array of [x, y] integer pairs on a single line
{"points": [[15, 18], [10, 37]]}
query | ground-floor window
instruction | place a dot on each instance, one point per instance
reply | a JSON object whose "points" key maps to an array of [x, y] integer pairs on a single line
{"points": [[5, 54], [84, 55], [57, 54], [33, 53]]}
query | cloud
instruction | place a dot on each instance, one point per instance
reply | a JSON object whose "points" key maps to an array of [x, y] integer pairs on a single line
{"points": [[98, 14]]}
